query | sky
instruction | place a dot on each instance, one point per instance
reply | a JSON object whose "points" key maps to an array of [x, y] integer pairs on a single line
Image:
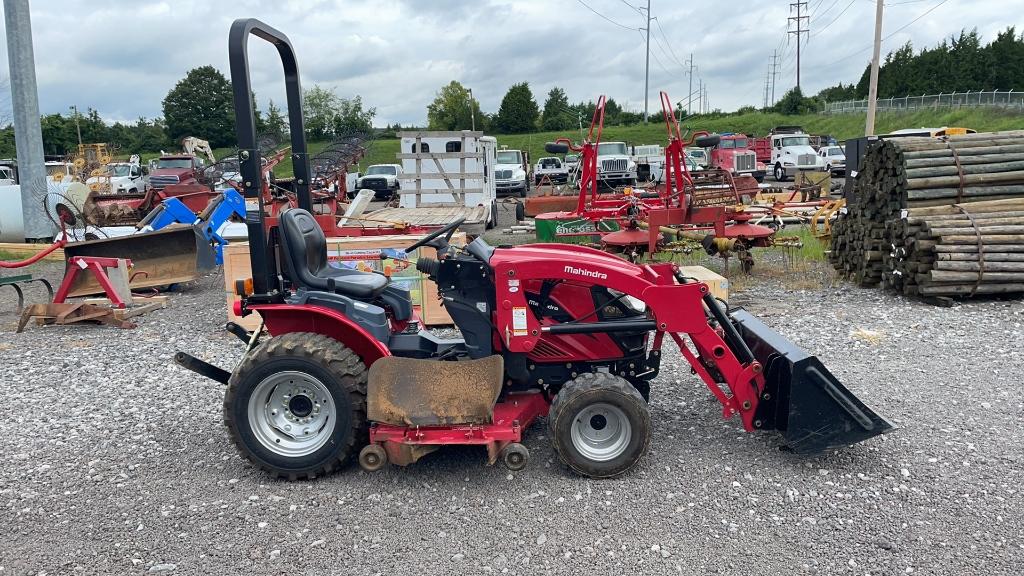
{"points": [[121, 57]]}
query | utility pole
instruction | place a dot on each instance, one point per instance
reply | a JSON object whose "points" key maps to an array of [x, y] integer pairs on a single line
{"points": [[869, 129], [28, 135], [765, 100], [700, 95], [472, 112], [707, 101], [775, 67], [78, 127], [689, 102], [800, 30], [647, 66]]}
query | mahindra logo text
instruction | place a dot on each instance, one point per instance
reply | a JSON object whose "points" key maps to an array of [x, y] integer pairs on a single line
{"points": [[587, 273]]}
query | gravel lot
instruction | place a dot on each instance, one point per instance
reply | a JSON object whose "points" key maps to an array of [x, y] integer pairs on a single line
{"points": [[116, 462]]}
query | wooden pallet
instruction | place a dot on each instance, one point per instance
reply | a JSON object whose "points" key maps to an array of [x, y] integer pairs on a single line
{"points": [[476, 217]]}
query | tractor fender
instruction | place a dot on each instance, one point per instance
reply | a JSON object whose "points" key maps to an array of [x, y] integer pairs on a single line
{"points": [[285, 318]]}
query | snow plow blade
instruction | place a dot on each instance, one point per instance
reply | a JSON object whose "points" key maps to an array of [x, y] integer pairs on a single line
{"points": [[177, 253], [412, 392], [803, 401]]}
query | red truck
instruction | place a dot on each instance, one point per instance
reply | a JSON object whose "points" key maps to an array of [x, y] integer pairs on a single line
{"points": [[734, 154], [175, 169]]}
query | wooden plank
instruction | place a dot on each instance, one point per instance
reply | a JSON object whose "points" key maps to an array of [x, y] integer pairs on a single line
{"points": [[124, 314], [27, 250], [440, 155], [136, 301]]}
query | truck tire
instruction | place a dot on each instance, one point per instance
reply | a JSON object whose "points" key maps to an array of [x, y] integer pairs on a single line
{"points": [[780, 173], [526, 188], [600, 425], [296, 406]]}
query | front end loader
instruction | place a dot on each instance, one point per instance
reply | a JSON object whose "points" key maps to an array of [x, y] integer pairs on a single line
{"points": [[559, 331]]}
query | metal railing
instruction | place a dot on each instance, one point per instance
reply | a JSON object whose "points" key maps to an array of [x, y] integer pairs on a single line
{"points": [[994, 98]]}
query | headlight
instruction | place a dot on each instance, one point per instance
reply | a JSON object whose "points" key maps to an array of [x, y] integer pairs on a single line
{"points": [[519, 174], [788, 164], [631, 166]]}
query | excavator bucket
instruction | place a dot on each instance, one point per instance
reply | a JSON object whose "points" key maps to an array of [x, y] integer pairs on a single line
{"points": [[412, 392], [177, 253], [803, 401]]}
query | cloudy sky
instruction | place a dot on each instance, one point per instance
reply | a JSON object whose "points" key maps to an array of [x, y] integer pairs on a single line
{"points": [[121, 57]]}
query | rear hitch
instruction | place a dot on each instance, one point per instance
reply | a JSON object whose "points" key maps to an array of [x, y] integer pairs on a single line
{"points": [[202, 367]]}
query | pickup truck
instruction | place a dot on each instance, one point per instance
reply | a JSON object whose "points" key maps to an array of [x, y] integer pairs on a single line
{"points": [[511, 173], [551, 167], [119, 178], [699, 156], [614, 165], [383, 179], [835, 159]]}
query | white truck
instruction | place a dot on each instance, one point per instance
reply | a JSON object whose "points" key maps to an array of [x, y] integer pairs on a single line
{"points": [[699, 156], [383, 179], [512, 173], [553, 168], [792, 152], [650, 162], [614, 165], [835, 159], [120, 178]]}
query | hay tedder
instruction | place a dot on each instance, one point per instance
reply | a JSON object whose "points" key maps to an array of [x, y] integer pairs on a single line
{"points": [[548, 330]]}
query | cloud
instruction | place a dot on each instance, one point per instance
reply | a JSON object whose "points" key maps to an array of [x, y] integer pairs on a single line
{"points": [[121, 57]]}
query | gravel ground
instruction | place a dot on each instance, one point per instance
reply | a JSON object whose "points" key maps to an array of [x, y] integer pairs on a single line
{"points": [[116, 462]]}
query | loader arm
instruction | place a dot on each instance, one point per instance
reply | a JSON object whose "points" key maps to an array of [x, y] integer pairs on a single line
{"points": [[674, 308]]}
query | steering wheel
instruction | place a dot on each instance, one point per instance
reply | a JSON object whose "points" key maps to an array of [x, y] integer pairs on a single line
{"points": [[447, 231]]}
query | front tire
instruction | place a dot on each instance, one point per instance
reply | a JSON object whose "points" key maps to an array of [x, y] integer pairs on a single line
{"points": [[296, 406], [600, 425], [780, 173]]}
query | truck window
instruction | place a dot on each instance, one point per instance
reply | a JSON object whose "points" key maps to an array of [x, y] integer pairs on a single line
{"points": [[741, 142], [453, 146], [509, 157], [611, 149], [728, 144]]}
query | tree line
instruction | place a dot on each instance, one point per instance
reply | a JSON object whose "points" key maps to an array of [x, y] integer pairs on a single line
{"points": [[957, 64], [201, 105], [454, 108]]}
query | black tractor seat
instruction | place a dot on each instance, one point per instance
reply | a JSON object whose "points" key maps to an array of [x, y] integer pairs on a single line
{"points": [[305, 256]]}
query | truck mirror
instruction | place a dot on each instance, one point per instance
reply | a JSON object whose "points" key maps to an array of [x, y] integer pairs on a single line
{"points": [[708, 141], [556, 148]]}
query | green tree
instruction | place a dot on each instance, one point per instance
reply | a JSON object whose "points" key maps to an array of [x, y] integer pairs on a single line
{"points": [[276, 124], [200, 105], [557, 113], [518, 112], [327, 114], [350, 117], [454, 108], [794, 103]]}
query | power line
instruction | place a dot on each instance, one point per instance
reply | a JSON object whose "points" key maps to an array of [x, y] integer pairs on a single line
{"points": [[893, 33], [663, 35], [587, 6], [836, 19]]}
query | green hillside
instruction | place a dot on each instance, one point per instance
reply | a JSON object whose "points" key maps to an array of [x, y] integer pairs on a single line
{"points": [[842, 126]]}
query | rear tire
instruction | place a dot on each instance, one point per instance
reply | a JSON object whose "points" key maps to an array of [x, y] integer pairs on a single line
{"points": [[296, 406], [600, 425]]}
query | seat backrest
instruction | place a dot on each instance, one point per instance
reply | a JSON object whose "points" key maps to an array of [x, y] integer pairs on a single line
{"points": [[304, 242]]}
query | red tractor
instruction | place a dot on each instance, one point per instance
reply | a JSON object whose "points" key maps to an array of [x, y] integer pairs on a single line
{"points": [[561, 331]]}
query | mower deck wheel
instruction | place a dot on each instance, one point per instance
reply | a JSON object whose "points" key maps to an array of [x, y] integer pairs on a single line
{"points": [[515, 456], [373, 457], [600, 425]]}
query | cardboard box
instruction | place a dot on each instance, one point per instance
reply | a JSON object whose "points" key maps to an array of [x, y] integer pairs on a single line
{"points": [[362, 253], [719, 285]]}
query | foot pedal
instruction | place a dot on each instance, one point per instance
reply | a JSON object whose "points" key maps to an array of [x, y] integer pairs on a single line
{"points": [[413, 392]]}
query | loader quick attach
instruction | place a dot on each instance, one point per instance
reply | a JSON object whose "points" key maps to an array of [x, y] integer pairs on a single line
{"points": [[556, 330]]}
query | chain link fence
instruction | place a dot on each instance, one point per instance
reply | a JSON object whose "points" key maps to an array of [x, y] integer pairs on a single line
{"points": [[1010, 100]]}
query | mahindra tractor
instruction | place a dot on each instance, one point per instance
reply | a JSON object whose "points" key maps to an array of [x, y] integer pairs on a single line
{"points": [[341, 368]]}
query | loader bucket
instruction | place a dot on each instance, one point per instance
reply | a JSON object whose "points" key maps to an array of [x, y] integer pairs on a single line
{"points": [[177, 253], [812, 410], [412, 392]]}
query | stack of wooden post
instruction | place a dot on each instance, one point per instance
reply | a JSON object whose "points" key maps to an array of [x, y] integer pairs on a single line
{"points": [[937, 217]]}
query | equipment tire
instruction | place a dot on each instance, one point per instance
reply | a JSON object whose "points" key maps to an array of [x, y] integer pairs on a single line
{"points": [[780, 173], [318, 363], [583, 409], [514, 457]]}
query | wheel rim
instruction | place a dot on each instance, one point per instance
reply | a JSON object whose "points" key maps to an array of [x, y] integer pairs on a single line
{"points": [[601, 432], [292, 414]]}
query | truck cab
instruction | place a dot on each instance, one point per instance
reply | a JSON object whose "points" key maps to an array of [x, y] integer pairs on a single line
{"points": [[512, 173], [383, 179], [8, 175], [614, 165], [835, 159], [553, 168], [175, 169], [650, 162], [699, 156], [792, 152], [735, 155], [119, 178]]}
